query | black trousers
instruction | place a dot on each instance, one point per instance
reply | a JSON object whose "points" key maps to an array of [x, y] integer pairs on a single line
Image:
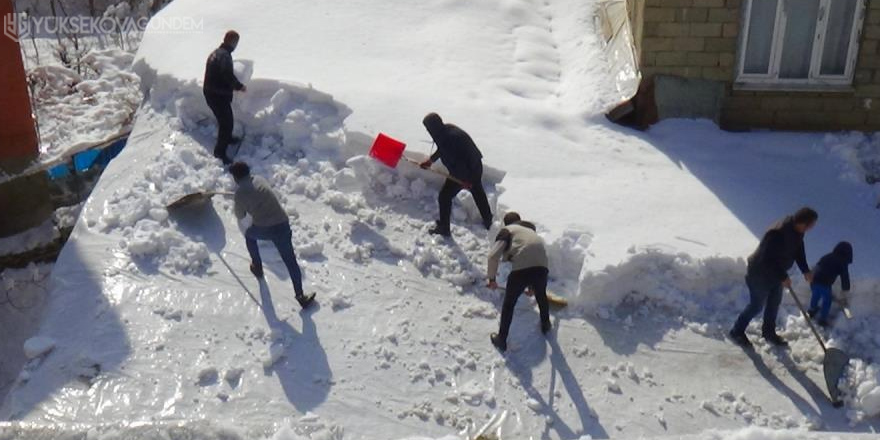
{"points": [[517, 282], [221, 106], [450, 190]]}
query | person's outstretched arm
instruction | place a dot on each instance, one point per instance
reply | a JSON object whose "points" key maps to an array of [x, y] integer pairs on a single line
{"points": [[229, 73], [495, 259], [502, 243], [801, 259], [240, 210], [844, 278]]}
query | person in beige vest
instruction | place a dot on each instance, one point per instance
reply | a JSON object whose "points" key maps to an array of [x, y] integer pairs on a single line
{"points": [[519, 243]]}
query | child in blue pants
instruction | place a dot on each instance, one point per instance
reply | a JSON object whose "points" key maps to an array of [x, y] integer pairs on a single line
{"points": [[830, 267]]}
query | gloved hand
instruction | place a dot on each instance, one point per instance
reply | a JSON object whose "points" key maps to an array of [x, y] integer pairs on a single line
{"points": [[492, 284], [426, 164]]}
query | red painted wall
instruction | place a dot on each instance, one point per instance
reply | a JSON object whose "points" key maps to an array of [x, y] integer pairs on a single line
{"points": [[18, 137]]}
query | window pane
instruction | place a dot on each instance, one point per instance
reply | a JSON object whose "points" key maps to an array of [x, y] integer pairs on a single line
{"points": [[760, 39], [800, 31], [838, 37]]}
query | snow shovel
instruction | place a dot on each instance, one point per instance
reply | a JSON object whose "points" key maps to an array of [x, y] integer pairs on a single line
{"points": [[195, 199], [553, 299], [844, 306], [835, 362], [389, 151]]}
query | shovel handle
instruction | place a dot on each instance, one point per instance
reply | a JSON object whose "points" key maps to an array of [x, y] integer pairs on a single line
{"points": [[807, 318], [446, 175]]}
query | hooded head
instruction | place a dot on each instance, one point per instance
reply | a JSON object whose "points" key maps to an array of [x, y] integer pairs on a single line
{"points": [[230, 40], [844, 251], [435, 125]]}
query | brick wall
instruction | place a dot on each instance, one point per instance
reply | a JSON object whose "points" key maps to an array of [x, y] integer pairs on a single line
{"points": [[699, 39]]}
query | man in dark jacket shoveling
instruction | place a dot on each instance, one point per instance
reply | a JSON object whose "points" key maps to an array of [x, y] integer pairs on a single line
{"points": [[464, 161], [220, 82], [767, 275], [519, 244], [255, 197]]}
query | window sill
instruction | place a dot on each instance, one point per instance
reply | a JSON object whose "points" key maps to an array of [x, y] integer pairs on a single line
{"points": [[787, 87]]}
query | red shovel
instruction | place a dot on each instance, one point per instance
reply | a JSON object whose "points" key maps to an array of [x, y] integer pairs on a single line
{"points": [[389, 151]]}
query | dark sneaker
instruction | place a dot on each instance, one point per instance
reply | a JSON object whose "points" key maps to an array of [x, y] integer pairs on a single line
{"points": [[487, 224], [235, 140], [437, 230], [824, 323], [498, 343], [546, 327], [740, 339], [306, 300], [776, 340], [257, 271], [812, 312]]}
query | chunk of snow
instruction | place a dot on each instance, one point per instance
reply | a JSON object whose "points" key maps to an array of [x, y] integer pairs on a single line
{"points": [[38, 346]]}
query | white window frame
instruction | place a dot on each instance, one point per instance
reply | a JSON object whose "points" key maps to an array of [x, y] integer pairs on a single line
{"points": [[815, 79]]}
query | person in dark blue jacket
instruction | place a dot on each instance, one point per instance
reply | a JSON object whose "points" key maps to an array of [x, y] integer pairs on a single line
{"points": [[464, 161], [825, 274], [220, 82]]}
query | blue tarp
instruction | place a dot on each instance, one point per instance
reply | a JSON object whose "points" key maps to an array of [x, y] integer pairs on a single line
{"points": [[86, 160]]}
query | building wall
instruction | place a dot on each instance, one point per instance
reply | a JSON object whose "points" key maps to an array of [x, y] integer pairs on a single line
{"points": [[699, 39], [24, 201]]}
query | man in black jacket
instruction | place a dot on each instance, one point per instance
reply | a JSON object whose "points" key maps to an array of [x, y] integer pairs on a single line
{"points": [[780, 248], [220, 82], [464, 161]]}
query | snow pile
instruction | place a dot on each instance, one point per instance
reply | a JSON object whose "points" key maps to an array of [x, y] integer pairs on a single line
{"points": [[38, 346], [693, 287], [139, 211], [78, 110], [860, 153], [294, 136]]}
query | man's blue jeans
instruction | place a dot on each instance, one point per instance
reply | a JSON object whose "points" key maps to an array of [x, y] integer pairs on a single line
{"points": [[821, 293], [282, 238], [763, 294]]}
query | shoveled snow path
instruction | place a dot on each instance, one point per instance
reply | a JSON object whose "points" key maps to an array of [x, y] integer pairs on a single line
{"points": [[388, 350]]}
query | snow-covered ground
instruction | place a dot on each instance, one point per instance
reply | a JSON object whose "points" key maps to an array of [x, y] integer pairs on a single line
{"points": [[154, 318], [22, 297]]}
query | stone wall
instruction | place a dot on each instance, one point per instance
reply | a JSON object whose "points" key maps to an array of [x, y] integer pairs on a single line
{"points": [[699, 39]]}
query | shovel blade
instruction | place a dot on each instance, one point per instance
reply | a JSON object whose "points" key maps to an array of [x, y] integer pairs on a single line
{"points": [[835, 364], [387, 150]]}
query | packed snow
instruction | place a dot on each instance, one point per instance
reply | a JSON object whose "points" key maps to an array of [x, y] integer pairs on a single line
{"points": [[155, 318]]}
